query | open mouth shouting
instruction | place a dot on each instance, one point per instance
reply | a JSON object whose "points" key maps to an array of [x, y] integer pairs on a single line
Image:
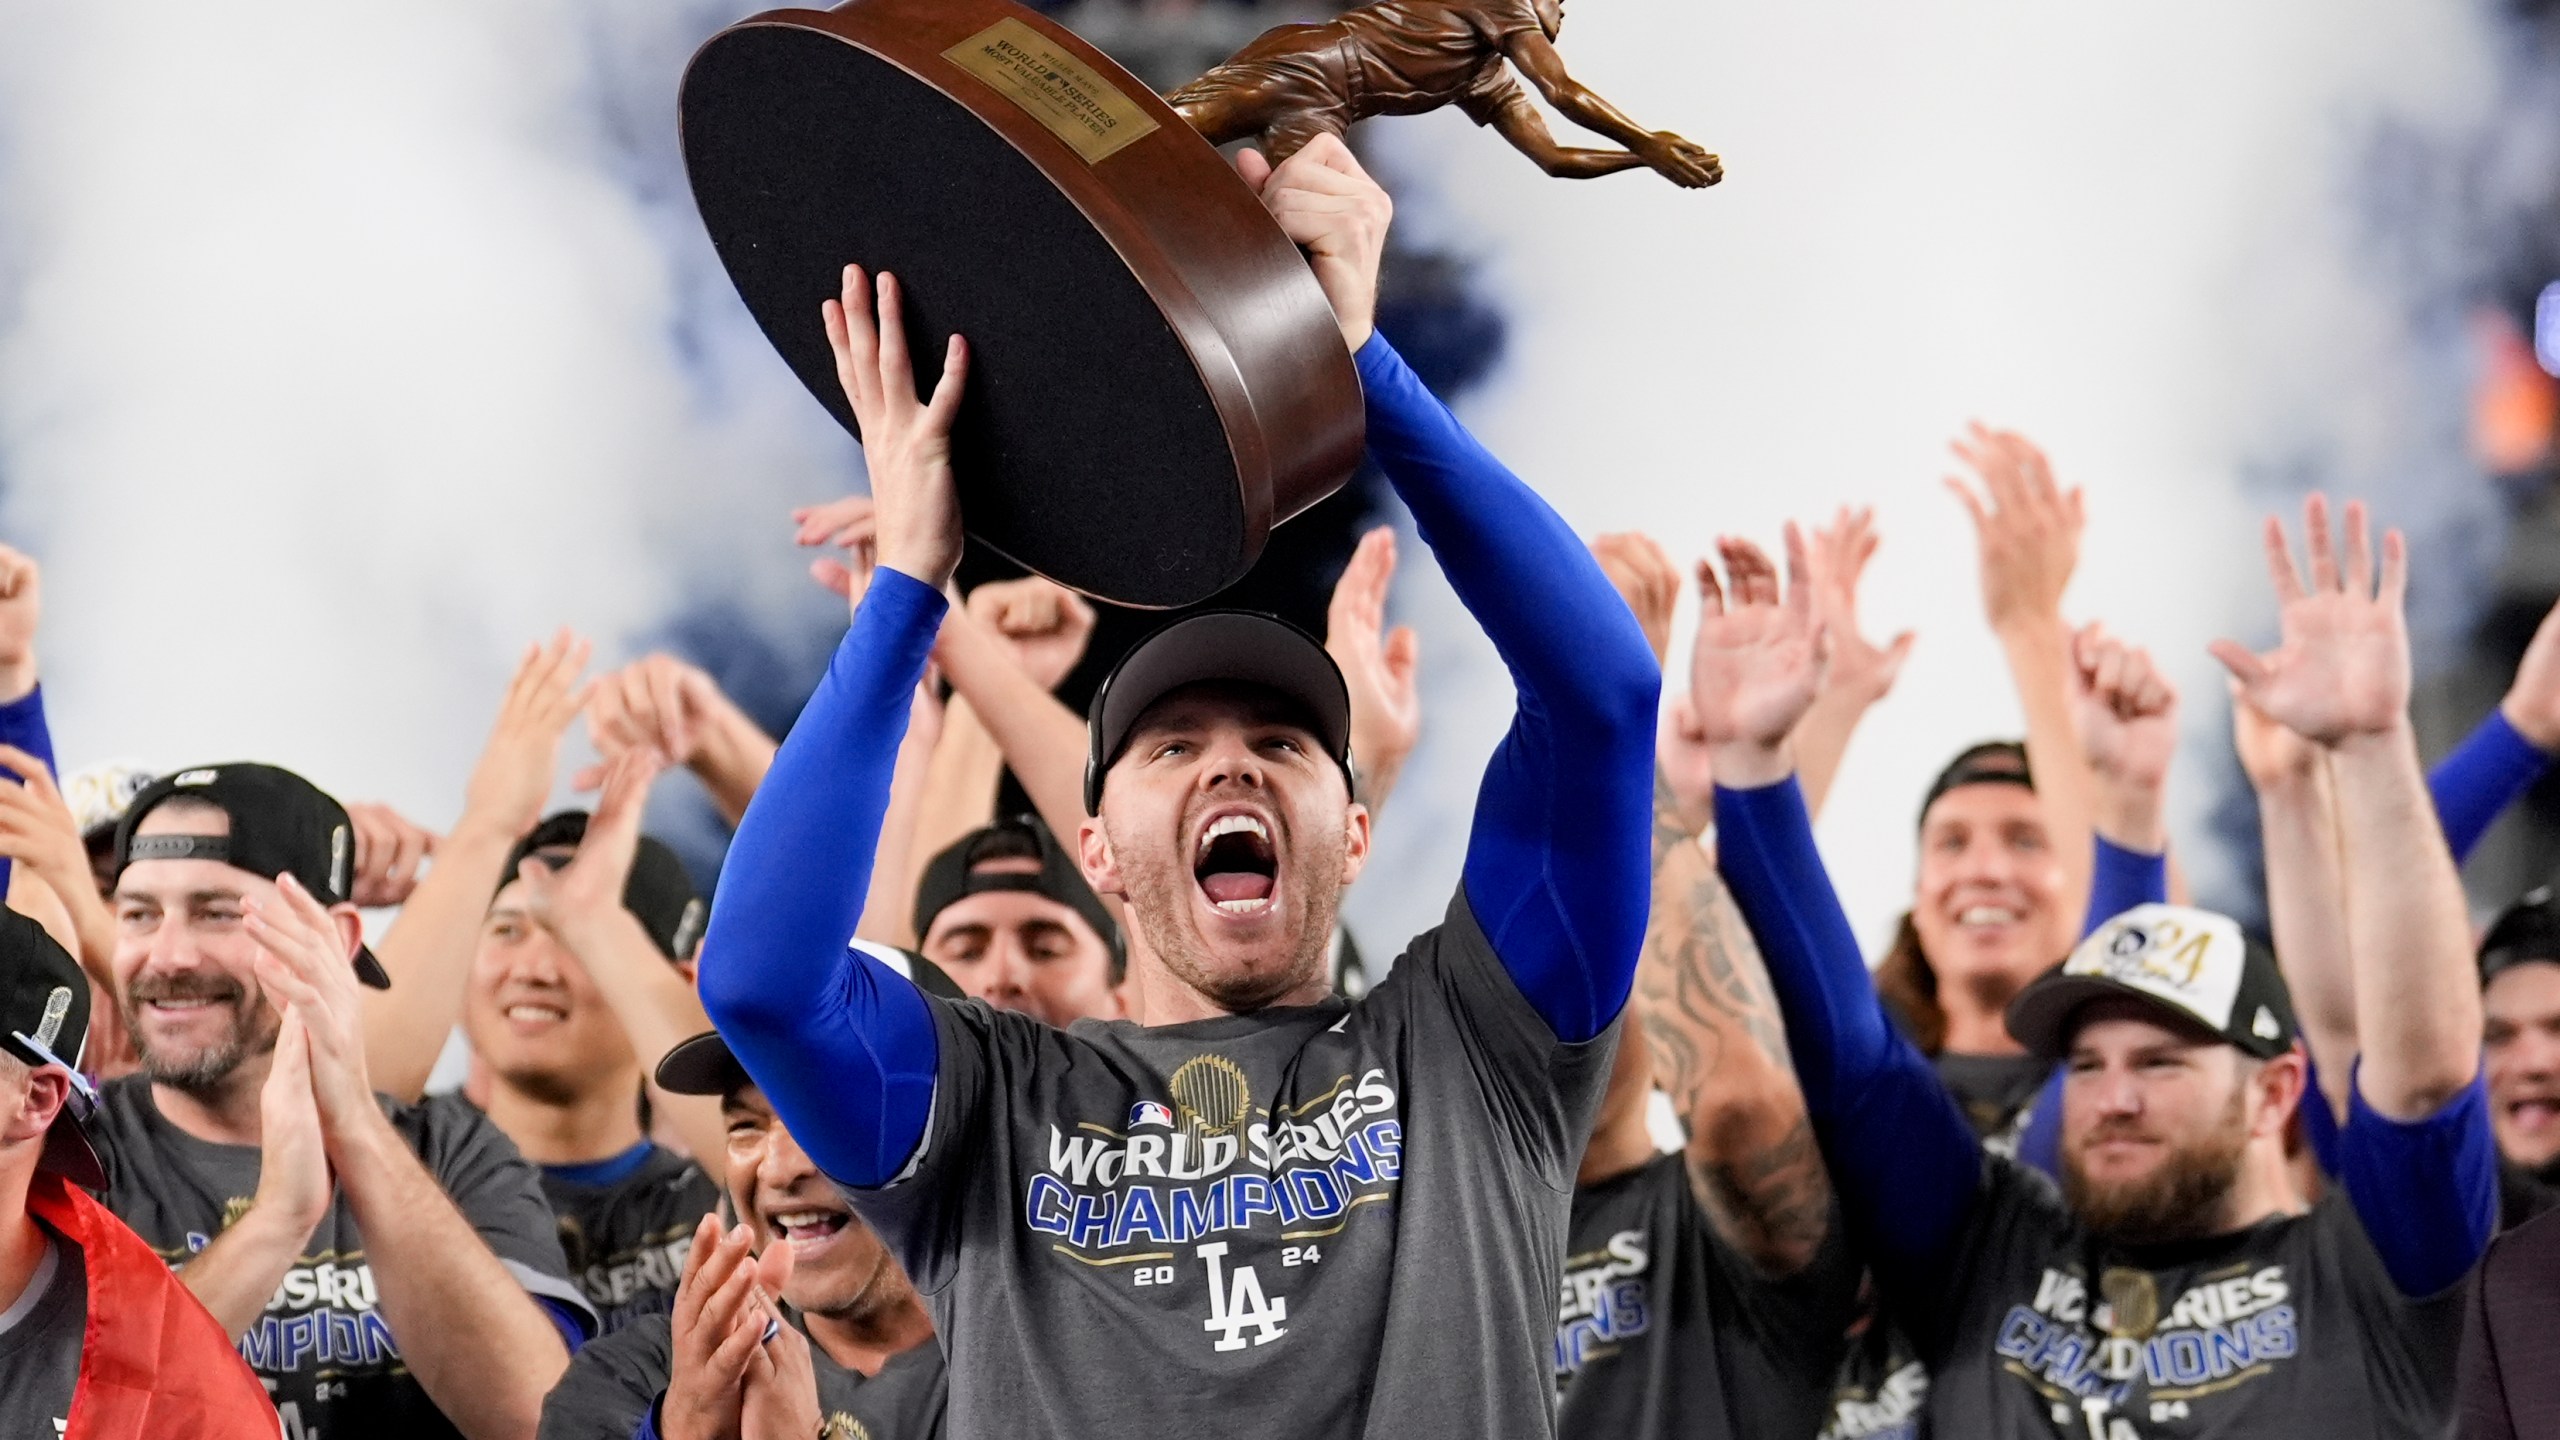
{"points": [[806, 1228], [1235, 863]]}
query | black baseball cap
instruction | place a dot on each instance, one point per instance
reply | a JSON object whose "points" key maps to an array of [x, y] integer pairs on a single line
{"points": [[952, 876], [281, 824], [1238, 647], [1993, 762], [44, 1020], [2527, 931], [2196, 967], [659, 893], [704, 1065]]}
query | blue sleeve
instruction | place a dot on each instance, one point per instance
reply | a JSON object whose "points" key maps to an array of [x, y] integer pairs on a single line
{"points": [[1558, 865], [1906, 1164], [2492, 767], [22, 724], [649, 1419], [2040, 1143], [841, 1044], [2427, 1190], [2123, 879], [571, 1324]]}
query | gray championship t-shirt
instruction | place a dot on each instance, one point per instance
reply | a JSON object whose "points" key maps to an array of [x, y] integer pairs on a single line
{"points": [[626, 1240], [617, 1380], [1335, 1220], [2291, 1327], [325, 1352], [40, 1343], [1667, 1331]]}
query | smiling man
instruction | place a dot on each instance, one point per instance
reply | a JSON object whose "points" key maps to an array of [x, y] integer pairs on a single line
{"points": [[1006, 914], [2176, 1287], [859, 1363], [386, 1269], [578, 983], [2520, 999], [1264, 1211]]}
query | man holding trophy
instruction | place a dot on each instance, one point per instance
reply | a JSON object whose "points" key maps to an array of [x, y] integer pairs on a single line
{"points": [[1257, 1208]]}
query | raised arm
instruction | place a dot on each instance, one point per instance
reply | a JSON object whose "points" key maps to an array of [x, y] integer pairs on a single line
{"points": [[661, 703], [1719, 1050], [2511, 749], [1377, 667], [1860, 673], [1902, 1157], [2127, 718], [843, 1045], [1047, 627], [2415, 1155], [22, 722], [428, 948], [2029, 528], [1555, 868], [2306, 890]]}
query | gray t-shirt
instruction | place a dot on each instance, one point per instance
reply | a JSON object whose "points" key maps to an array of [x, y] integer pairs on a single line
{"points": [[1666, 1330], [627, 1238], [1339, 1219], [617, 1380], [40, 1343], [325, 1352], [2290, 1327]]}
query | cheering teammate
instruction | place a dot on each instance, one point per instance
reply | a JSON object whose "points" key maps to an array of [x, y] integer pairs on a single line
{"points": [[1263, 1211]]}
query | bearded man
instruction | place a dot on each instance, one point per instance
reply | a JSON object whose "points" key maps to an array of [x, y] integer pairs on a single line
{"points": [[2177, 1286]]}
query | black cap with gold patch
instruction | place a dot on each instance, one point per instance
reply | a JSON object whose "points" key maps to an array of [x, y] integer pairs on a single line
{"points": [[281, 824], [44, 1021], [2196, 967]]}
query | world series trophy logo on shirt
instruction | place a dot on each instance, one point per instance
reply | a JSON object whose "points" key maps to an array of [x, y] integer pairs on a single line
{"points": [[1155, 377]]}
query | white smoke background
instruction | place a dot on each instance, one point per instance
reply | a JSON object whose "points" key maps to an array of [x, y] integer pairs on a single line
{"points": [[346, 355], [2150, 237], [343, 350]]}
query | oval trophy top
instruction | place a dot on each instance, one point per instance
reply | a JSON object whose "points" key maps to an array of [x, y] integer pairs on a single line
{"points": [[1156, 378]]}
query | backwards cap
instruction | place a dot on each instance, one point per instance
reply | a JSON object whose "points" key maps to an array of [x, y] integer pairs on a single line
{"points": [[281, 824]]}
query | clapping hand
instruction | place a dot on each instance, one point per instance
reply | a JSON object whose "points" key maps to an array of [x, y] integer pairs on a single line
{"points": [[2340, 670]]}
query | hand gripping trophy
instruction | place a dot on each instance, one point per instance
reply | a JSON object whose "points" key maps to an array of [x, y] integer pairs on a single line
{"points": [[1403, 57]]}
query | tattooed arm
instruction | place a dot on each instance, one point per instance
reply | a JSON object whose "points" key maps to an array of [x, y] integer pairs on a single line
{"points": [[1719, 1050]]}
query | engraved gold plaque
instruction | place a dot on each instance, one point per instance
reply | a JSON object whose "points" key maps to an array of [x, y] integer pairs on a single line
{"points": [[1055, 88]]}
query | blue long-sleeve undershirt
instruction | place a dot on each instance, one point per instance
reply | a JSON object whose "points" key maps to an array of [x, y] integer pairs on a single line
{"points": [[1903, 1159], [841, 1044], [1557, 861], [22, 724], [2478, 779]]}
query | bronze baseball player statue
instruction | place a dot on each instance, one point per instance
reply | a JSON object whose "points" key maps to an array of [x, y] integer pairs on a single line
{"points": [[1403, 57]]}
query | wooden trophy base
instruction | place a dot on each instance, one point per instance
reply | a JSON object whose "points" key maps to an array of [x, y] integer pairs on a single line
{"points": [[1156, 379]]}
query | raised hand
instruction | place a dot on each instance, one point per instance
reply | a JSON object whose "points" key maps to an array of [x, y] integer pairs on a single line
{"points": [[514, 774], [391, 853], [38, 831], [1327, 204], [2270, 755], [1758, 661], [851, 526], [2532, 702], [2128, 720], [21, 608], [2340, 669], [2028, 526], [1046, 624], [1861, 671], [1378, 666], [1688, 765], [1646, 579], [592, 882], [906, 441], [306, 965], [716, 1332]]}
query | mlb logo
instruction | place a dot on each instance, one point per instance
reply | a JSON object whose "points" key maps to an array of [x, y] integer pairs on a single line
{"points": [[1148, 1112]]}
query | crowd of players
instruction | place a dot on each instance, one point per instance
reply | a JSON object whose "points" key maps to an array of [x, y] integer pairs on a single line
{"points": [[1095, 1125]]}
